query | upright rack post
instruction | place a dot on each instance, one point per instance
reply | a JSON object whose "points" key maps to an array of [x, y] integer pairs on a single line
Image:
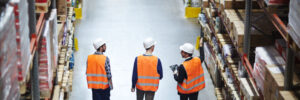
{"points": [[35, 89], [32, 16], [247, 22], [288, 73]]}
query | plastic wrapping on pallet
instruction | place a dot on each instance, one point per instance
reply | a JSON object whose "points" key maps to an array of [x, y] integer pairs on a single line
{"points": [[45, 62], [278, 2], [9, 85], [22, 33], [294, 21], [266, 56], [54, 37]]}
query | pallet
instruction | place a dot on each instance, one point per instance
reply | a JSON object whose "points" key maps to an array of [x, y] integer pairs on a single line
{"points": [[62, 94], [56, 92], [61, 18], [219, 94], [60, 73]]}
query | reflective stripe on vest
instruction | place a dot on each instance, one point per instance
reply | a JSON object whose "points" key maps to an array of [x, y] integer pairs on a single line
{"points": [[195, 81], [148, 77], [96, 74]]}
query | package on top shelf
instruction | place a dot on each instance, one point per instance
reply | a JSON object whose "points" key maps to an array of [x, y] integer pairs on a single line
{"points": [[46, 61], [22, 33], [277, 2], [53, 37], [61, 7], [294, 21], [268, 71], [41, 1], [261, 31], [9, 84]]}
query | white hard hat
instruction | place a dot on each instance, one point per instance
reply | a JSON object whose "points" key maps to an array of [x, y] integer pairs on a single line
{"points": [[187, 47], [148, 43], [98, 43]]}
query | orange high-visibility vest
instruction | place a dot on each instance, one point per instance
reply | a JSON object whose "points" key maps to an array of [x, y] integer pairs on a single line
{"points": [[148, 77], [95, 72], [195, 77]]}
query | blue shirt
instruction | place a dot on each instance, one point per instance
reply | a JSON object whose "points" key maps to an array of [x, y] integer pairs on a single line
{"points": [[135, 75]]}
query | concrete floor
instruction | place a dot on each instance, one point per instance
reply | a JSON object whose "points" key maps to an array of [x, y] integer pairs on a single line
{"points": [[124, 24]]}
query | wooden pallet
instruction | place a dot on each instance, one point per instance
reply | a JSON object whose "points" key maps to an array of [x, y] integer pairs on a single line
{"points": [[61, 18]]}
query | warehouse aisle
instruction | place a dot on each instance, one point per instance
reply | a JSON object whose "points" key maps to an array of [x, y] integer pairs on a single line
{"points": [[124, 24]]}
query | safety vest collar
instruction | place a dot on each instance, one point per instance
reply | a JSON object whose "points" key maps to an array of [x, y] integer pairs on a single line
{"points": [[201, 75], [96, 75], [188, 89]]}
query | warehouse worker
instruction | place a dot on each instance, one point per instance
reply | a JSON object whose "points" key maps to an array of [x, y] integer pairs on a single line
{"points": [[189, 75], [147, 72], [98, 72]]}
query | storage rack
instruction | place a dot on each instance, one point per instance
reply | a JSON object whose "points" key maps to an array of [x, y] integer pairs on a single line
{"points": [[281, 28], [29, 86]]}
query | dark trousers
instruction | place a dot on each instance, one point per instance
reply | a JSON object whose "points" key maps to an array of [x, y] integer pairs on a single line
{"points": [[99, 94], [192, 96], [149, 95]]}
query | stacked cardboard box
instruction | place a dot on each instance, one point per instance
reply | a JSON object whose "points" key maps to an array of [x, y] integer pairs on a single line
{"points": [[234, 21], [45, 63], [61, 10], [268, 72], [287, 95], [41, 6], [9, 85]]}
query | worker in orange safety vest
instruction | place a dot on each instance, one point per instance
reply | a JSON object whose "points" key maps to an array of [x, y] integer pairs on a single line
{"points": [[147, 72], [98, 72], [189, 75]]}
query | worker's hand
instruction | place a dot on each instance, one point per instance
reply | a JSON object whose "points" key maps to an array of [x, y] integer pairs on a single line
{"points": [[175, 72], [201, 42], [110, 84], [132, 89], [174, 67]]}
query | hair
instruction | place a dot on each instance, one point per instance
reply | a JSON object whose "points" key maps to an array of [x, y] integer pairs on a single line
{"points": [[149, 48], [190, 54], [100, 47]]}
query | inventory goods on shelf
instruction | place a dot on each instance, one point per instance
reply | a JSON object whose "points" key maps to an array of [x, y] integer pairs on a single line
{"points": [[294, 21], [22, 33], [9, 85], [42, 6]]}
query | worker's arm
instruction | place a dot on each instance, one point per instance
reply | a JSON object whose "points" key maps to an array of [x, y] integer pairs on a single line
{"points": [[108, 72], [159, 69], [134, 75], [180, 75]]}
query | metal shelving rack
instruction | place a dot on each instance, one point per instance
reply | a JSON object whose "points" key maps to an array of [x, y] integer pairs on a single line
{"points": [[282, 29]]}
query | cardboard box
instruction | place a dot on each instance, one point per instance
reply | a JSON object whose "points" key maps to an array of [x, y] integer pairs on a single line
{"points": [[61, 7], [250, 93], [287, 95]]}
